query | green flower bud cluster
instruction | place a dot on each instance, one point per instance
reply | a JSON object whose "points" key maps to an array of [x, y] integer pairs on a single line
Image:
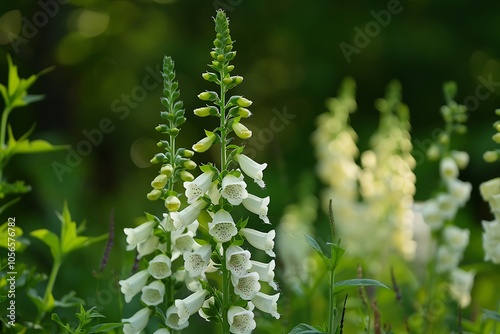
{"points": [[176, 163], [232, 110], [455, 116], [494, 155]]}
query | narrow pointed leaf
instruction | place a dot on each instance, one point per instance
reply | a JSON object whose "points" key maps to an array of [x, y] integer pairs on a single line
{"points": [[356, 282], [305, 329], [491, 315]]}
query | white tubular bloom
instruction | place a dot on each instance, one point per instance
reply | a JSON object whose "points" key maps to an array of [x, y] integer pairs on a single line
{"points": [[182, 242], [456, 238], [196, 262], [187, 216], [137, 322], [160, 267], [172, 319], [238, 260], [461, 285], [447, 259], [432, 215], [258, 206], [448, 168], [153, 293], [490, 188], [190, 305], [222, 227], [234, 189], [134, 284], [199, 186], [260, 240], [491, 241], [265, 272], [246, 286], [240, 320], [267, 303], [460, 191], [148, 246], [138, 234], [447, 205], [251, 168]]}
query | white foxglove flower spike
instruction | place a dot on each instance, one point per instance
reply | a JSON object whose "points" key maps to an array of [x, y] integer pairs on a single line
{"points": [[190, 305], [196, 262], [241, 321], [173, 320], [160, 267], [188, 215], [138, 234], [265, 272], [246, 286], [199, 186], [137, 322], [134, 284], [267, 303], [148, 246]]}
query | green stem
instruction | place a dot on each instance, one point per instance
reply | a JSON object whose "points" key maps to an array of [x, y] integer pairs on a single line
{"points": [[3, 130], [48, 290], [332, 308]]}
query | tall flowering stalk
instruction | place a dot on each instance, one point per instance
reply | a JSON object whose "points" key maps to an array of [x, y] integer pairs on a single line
{"points": [[159, 241], [490, 191], [222, 187], [448, 241]]}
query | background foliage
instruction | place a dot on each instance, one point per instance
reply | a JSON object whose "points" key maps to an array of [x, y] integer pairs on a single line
{"points": [[108, 54]]}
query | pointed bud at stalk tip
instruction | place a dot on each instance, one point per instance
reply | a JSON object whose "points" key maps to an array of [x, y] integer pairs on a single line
{"points": [[172, 203]]}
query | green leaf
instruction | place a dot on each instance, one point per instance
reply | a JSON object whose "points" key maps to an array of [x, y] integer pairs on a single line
{"points": [[305, 329], [488, 314], [356, 282], [37, 300], [35, 146], [315, 245], [104, 328], [51, 240], [337, 253], [15, 233], [69, 300], [56, 318]]}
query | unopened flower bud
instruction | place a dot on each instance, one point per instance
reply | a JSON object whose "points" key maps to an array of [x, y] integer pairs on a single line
{"points": [[186, 176], [241, 130], [461, 158], [490, 156], [444, 139], [154, 194], [243, 102], [159, 158], [159, 182], [172, 203], [205, 143], [189, 164], [220, 57], [230, 68], [202, 112], [433, 152], [244, 112], [213, 54], [185, 153], [209, 76], [167, 170], [496, 138], [208, 96]]}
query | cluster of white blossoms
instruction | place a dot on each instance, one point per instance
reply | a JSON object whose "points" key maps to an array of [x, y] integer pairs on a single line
{"points": [[384, 181]]}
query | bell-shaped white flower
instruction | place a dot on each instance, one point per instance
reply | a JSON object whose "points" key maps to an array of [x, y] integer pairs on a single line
{"points": [[134, 284], [251, 168], [196, 262], [267, 303], [461, 283], [161, 331], [153, 293], [190, 305], [138, 234], [448, 168], [199, 186], [448, 206], [160, 267], [247, 285], [490, 188], [258, 206], [137, 322], [238, 260], [181, 242], [447, 259], [260, 240], [456, 238], [167, 224], [234, 189], [188, 215], [241, 321], [265, 272], [491, 241], [460, 191], [432, 215], [222, 227], [148, 246], [172, 319]]}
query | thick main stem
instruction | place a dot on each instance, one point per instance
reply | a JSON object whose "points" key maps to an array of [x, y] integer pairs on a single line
{"points": [[332, 308]]}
